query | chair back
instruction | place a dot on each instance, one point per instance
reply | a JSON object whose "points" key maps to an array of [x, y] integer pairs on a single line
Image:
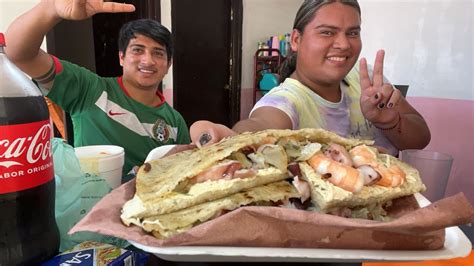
{"points": [[403, 89]]}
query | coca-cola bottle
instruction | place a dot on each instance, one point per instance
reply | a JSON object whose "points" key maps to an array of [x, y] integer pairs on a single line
{"points": [[28, 230]]}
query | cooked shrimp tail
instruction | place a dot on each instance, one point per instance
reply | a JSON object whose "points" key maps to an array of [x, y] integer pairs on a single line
{"points": [[341, 175], [392, 176], [363, 155]]}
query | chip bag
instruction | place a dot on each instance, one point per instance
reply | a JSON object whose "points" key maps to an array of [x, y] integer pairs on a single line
{"points": [[92, 253]]}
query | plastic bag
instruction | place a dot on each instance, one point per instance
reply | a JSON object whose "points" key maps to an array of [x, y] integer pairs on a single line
{"points": [[76, 193]]}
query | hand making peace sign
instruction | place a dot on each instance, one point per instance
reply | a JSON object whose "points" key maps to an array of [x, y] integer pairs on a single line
{"points": [[379, 101]]}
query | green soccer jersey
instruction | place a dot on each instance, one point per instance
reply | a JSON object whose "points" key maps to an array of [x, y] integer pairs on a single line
{"points": [[103, 114]]}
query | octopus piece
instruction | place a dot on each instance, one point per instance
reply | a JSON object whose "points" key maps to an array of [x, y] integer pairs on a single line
{"points": [[370, 175], [302, 187], [294, 169], [338, 154], [225, 170]]}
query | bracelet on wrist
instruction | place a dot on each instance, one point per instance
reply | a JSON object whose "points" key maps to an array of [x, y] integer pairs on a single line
{"points": [[49, 76], [397, 125]]}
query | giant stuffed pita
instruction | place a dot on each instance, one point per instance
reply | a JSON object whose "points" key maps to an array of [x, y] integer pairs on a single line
{"points": [[201, 179]]}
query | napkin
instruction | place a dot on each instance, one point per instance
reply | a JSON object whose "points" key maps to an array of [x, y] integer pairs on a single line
{"points": [[414, 228]]}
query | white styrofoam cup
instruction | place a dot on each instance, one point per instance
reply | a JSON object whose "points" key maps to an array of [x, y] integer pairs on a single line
{"points": [[102, 160]]}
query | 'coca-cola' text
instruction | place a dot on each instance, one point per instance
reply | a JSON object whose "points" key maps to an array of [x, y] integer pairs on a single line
{"points": [[25, 156]]}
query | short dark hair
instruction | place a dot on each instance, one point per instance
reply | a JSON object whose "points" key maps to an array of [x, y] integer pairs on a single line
{"points": [[149, 28]]}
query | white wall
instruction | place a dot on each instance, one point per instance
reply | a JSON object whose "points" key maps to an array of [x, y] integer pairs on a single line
{"points": [[10, 9], [428, 44], [262, 19], [168, 79]]}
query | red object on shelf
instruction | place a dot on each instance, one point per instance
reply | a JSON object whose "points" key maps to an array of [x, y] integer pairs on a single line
{"points": [[264, 62]]}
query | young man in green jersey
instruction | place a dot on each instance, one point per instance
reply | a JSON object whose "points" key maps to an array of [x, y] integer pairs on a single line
{"points": [[128, 111]]}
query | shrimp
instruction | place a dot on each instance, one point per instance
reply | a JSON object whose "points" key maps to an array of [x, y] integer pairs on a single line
{"points": [[392, 176], [341, 175], [338, 154], [363, 155], [364, 159]]}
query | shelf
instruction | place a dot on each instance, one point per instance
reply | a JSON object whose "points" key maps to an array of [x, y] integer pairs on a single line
{"points": [[269, 63]]}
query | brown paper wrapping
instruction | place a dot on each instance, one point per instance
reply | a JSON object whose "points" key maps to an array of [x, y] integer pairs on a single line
{"points": [[414, 229]]}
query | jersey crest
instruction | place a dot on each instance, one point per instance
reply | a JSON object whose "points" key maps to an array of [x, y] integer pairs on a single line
{"points": [[161, 131]]}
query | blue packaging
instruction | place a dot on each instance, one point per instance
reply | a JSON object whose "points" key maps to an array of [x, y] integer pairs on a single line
{"points": [[98, 254]]}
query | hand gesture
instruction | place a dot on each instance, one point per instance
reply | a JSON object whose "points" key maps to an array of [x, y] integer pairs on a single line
{"points": [[83, 9], [379, 101]]}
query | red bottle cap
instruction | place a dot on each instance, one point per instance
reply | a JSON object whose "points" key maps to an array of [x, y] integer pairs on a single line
{"points": [[2, 39]]}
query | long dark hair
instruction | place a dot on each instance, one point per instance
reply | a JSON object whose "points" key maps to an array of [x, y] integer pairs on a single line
{"points": [[304, 15]]}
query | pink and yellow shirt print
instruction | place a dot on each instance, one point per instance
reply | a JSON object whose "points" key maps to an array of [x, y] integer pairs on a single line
{"points": [[307, 109]]}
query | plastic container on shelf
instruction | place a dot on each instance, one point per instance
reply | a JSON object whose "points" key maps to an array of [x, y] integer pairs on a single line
{"points": [[266, 65], [268, 82]]}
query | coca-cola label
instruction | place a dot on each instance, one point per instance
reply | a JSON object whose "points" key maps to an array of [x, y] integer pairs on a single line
{"points": [[25, 156]]}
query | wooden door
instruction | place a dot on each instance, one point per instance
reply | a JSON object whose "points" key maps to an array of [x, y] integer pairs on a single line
{"points": [[207, 59], [92, 43], [106, 30]]}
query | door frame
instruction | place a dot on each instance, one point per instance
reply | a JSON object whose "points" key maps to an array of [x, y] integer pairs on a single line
{"points": [[235, 71], [236, 59]]}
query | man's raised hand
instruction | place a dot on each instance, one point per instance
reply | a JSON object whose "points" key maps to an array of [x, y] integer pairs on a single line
{"points": [[83, 9]]}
